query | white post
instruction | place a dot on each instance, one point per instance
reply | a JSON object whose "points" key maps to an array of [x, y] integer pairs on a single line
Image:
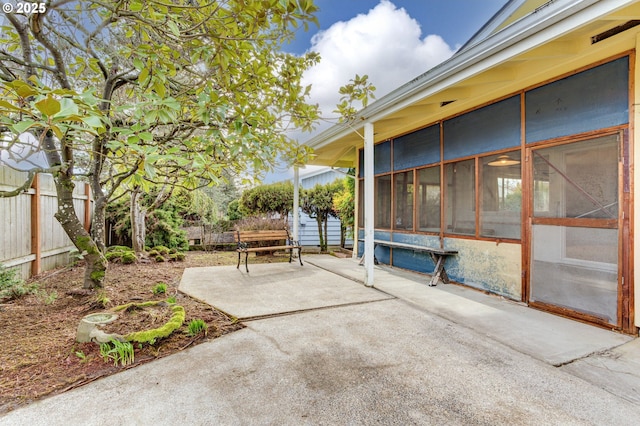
{"points": [[296, 203], [368, 204]]}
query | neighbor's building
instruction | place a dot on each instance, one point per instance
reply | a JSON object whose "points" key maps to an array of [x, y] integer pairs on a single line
{"points": [[518, 152], [308, 227]]}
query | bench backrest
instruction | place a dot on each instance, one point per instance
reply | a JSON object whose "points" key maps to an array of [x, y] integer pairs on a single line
{"points": [[263, 235]]}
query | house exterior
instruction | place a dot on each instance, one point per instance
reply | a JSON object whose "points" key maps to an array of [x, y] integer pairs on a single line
{"points": [[519, 153]]}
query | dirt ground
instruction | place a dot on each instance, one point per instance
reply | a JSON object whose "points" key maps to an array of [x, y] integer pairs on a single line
{"points": [[38, 352]]}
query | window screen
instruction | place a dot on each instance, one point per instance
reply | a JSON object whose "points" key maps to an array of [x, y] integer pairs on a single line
{"points": [[577, 180], [501, 199], [417, 149], [593, 99], [403, 200], [491, 128], [428, 199], [576, 268], [382, 202], [381, 159], [460, 197]]}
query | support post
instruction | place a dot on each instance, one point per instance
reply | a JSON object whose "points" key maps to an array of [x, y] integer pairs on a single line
{"points": [[36, 231], [296, 203], [368, 204]]}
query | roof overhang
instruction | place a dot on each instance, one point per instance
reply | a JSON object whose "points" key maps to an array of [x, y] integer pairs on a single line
{"points": [[553, 40]]}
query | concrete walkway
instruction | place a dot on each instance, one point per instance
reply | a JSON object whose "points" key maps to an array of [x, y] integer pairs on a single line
{"points": [[320, 348]]}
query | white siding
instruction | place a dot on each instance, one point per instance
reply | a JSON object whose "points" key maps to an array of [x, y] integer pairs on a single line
{"points": [[16, 227]]}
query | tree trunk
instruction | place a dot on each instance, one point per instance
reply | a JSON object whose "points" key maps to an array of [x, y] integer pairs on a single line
{"points": [[99, 197], [96, 263], [98, 221], [138, 222], [320, 236], [326, 236]]}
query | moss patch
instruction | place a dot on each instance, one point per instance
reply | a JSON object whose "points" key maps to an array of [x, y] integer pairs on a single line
{"points": [[97, 276], [154, 334]]}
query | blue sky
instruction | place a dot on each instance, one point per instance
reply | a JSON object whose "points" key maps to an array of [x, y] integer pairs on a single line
{"points": [[455, 20], [391, 41]]}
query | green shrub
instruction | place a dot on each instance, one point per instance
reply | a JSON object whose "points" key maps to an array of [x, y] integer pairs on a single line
{"points": [[267, 199], [197, 326], [102, 299], [129, 257], [121, 254], [13, 287], [160, 288], [48, 298], [163, 250], [112, 256], [159, 258], [119, 352]]}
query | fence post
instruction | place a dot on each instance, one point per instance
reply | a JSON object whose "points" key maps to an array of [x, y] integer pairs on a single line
{"points": [[36, 238]]}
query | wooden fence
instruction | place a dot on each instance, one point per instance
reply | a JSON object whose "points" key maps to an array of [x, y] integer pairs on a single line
{"points": [[31, 239]]}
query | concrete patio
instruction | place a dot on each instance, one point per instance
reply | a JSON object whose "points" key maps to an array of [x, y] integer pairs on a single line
{"points": [[321, 348]]}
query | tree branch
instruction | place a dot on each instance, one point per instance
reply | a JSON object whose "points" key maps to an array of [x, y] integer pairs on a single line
{"points": [[27, 52], [60, 72], [27, 184]]}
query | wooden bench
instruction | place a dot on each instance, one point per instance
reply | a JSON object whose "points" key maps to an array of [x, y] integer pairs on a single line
{"points": [[437, 255], [247, 243]]}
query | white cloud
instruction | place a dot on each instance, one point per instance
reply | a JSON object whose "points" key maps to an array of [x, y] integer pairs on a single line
{"points": [[386, 44]]}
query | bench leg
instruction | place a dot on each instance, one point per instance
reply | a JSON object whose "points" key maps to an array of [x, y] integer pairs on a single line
{"points": [[375, 259], [300, 255], [290, 254], [238, 267], [246, 262], [437, 273]]}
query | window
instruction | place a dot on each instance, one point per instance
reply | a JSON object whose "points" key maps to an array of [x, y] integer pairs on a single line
{"points": [[382, 202], [459, 197], [428, 199], [403, 200], [501, 200], [577, 180]]}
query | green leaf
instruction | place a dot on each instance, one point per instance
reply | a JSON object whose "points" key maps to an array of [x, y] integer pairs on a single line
{"points": [[174, 28], [12, 107], [93, 121], [48, 106], [24, 125], [158, 86], [136, 6], [146, 136], [144, 75], [56, 130], [23, 89], [67, 108]]}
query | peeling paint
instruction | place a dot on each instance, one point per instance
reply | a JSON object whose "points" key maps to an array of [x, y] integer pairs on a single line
{"points": [[487, 266]]}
